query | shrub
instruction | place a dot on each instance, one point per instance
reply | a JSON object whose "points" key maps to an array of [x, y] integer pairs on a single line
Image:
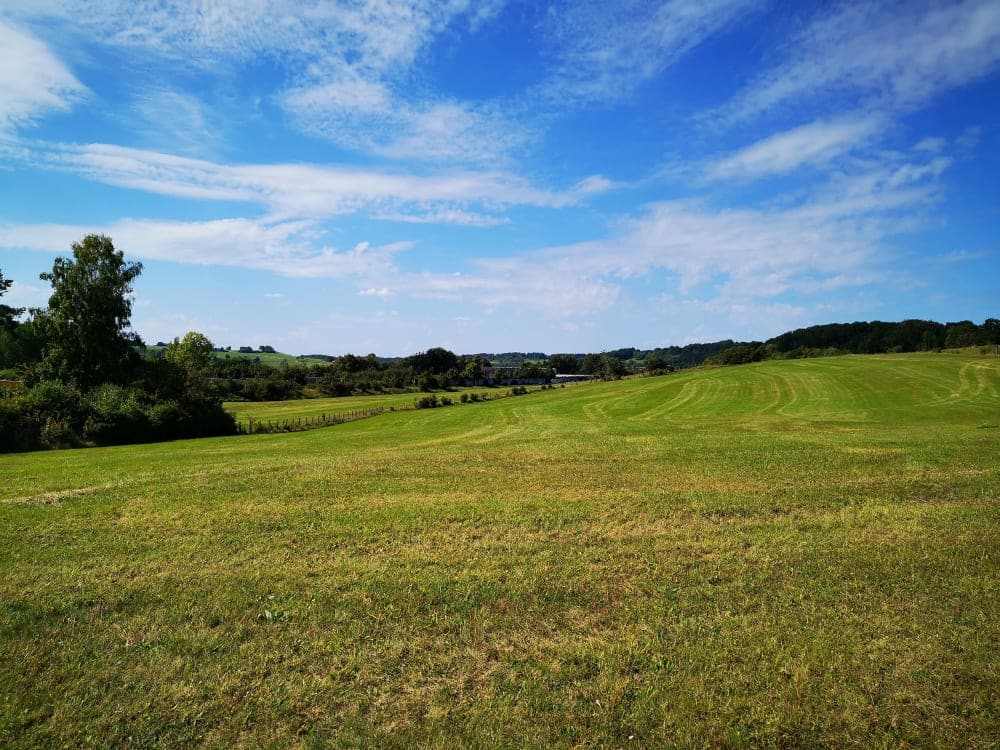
{"points": [[166, 420], [428, 382], [58, 434], [115, 415], [18, 431], [426, 402]]}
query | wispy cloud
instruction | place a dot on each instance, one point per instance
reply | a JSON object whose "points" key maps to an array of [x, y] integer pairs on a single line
{"points": [[294, 249], [832, 240], [382, 292], [33, 81], [305, 191], [370, 34], [344, 67], [888, 55], [602, 51], [812, 144], [365, 116], [176, 121]]}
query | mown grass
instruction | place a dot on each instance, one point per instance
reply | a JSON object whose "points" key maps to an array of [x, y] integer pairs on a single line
{"points": [[314, 407], [789, 554]]}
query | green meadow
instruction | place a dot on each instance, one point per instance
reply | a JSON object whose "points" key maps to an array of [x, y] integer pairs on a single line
{"points": [[307, 408], [789, 554]]}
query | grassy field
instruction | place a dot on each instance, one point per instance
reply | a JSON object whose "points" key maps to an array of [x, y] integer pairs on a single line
{"points": [[314, 407], [790, 554]]}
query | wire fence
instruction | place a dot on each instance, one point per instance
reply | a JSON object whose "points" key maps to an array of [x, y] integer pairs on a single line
{"points": [[298, 424]]}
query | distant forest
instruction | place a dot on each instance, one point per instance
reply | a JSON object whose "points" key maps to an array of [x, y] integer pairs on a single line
{"points": [[876, 337]]}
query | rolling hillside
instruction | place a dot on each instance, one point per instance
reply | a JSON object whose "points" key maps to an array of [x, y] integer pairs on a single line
{"points": [[788, 554]]}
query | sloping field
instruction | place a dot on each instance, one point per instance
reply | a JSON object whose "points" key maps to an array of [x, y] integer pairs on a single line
{"points": [[789, 554], [306, 408]]}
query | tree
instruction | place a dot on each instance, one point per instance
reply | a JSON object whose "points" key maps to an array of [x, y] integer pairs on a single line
{"points": [[10, 348], [564, 363], [8, 315], [962, 333], [89, 315], [193, 352], [656, 363], [592, 364], [991, 331], [475, 368]]}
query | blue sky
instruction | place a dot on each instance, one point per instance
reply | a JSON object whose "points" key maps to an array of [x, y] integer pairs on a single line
{"points": [[383, 176]]}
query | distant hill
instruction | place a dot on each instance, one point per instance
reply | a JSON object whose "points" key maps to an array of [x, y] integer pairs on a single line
{"points": [[265, 358], [873, 337]]}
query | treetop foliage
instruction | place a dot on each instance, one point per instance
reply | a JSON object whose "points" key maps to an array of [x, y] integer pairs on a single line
{"points": [[88, 320], [193, 352], [8, 315]]}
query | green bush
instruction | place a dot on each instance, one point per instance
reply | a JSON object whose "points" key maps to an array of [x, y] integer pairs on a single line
{"points": [[18, 430], [54, 415], [427, 402], [115, 415], [58, 434]]}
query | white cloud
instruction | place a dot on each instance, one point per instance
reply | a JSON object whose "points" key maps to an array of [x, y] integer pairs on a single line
{"points": [[833, 240], [319, 103], [344, 68], [374, 34], [367, 116], [454, 216], [288, 248], [176, 121], [302, 190], [931, 145], [815, 143], [33, 82], [26, 295], [453, 131], [593, 185], [891, 55], [602, 51]]}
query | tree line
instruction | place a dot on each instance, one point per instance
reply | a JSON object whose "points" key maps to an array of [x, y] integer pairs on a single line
{"points": [[239, 379], [81, 379], [874, 337]]}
